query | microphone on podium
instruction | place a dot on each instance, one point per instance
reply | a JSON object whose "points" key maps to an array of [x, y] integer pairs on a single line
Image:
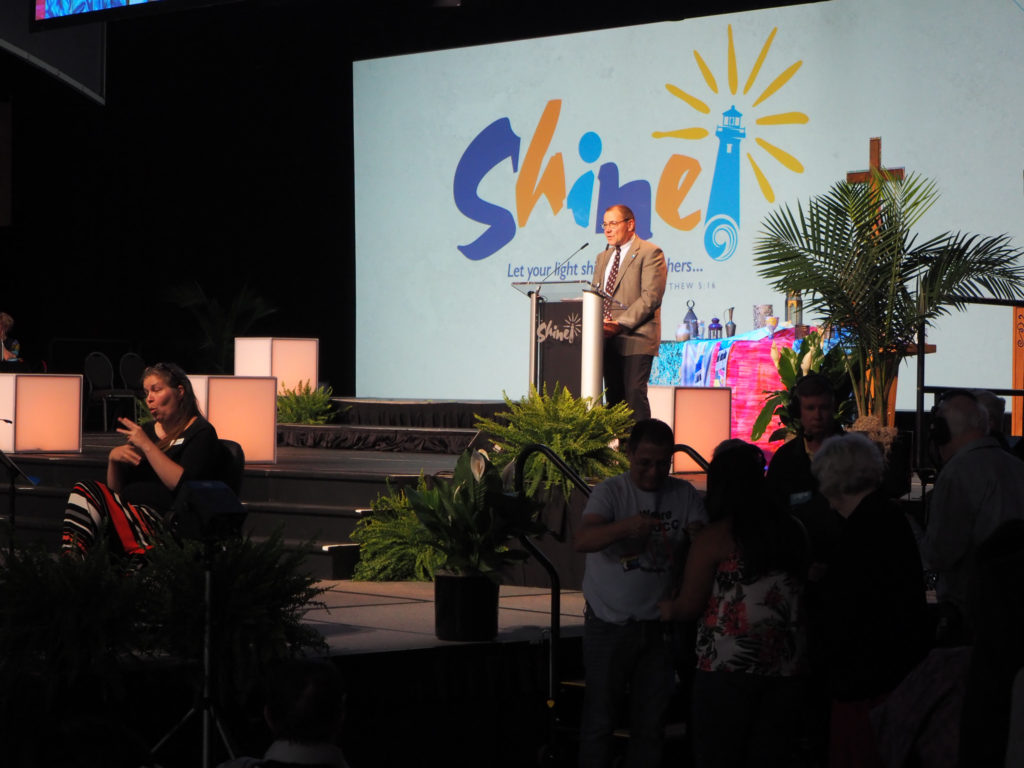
{"points": [[559, 266]]}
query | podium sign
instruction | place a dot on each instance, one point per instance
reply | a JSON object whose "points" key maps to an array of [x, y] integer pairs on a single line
{"points": [[559, 340], [566, 336]]}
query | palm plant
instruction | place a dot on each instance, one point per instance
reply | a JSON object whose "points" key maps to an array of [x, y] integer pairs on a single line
{"points": [[853, 254], [218, 326]]}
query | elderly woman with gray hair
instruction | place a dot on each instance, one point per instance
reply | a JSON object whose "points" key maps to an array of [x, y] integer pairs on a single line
{"points": [[877, 623]]}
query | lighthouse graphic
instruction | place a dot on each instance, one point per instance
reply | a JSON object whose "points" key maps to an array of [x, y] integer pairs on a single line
{"points": [[723, 217]]}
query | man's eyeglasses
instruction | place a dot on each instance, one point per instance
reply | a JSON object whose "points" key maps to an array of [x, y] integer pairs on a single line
{"points": [[610, 224]]}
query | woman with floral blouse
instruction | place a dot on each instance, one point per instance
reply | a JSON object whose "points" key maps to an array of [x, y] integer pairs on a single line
{"points": [[744, 582]]}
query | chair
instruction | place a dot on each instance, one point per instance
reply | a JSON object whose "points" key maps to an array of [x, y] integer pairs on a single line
{"points": [[210, 510], [130, 366], [99, 374], [234, 465]]}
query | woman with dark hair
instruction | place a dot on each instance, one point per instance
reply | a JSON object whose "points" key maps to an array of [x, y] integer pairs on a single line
{"points": [[744, 583], [145, 472]]}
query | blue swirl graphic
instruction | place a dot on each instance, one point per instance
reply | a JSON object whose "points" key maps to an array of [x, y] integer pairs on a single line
{"points": [[721, 237]]}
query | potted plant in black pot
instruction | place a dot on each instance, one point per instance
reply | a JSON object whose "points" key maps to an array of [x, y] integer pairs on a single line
{"points": [[473, 523]]}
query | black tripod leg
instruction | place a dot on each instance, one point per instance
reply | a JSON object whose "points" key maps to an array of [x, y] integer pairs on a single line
{"points": [[177, 727], [205, 706]]}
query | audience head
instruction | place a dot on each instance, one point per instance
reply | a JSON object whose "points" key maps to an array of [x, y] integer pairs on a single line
{"points": [[175, 378], [649, 448], [814, 403], [958, 419], [735, 478], [305, 701], [994, 406], [731, 444], [767, 535], [847, 467], [6, 323]]}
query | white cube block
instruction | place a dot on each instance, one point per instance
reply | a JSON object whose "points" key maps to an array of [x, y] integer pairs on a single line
{"points": [[291, 361], [45, 411], [244, 409]]}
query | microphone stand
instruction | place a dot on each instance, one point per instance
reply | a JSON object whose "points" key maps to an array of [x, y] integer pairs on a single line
{"points": [[205, 707], [559, 265], [13, 473]]}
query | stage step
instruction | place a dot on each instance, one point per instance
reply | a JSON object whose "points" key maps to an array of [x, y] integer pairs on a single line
{"points": [[319, 531], [449, 440], [313, 496], [314, 504], [397, 412], [323, 561]]}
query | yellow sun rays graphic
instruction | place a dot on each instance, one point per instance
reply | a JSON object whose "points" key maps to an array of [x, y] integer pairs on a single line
{"points": [[732, 76]]}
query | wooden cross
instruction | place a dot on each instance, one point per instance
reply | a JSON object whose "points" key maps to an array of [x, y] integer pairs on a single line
{"points": [[875, 164], [871, 178]]}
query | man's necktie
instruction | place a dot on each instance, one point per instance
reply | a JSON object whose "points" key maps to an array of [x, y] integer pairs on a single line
{"points": [[609, 286]]}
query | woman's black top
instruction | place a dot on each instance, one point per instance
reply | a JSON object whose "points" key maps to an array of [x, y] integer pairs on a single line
{"points": [[878, 625], [197, 450]]}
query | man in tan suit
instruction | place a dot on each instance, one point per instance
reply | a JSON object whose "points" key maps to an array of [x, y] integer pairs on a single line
{"points": [[633, 272]]}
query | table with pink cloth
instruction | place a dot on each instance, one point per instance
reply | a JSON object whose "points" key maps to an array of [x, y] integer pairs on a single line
{"points": [[743, 363]]}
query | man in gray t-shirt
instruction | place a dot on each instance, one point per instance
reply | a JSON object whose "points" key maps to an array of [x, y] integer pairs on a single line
{"points": [[632, 527]]}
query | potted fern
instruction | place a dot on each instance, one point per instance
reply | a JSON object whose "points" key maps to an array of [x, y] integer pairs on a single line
{"points": [[305, 405], [393, 544], [583, 435], [472, 523]]}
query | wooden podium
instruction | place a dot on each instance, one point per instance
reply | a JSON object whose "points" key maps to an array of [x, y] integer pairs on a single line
{"points": [[566, 336]]}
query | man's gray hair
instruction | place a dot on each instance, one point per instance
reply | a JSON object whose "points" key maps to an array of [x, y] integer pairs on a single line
{"points": [[994, 406], [964, 412]]}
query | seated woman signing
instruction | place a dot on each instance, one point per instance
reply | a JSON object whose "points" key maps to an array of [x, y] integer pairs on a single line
{"points": [[145, 472]]}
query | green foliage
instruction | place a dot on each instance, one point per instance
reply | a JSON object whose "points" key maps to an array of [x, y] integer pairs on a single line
{"points": [[69, 630], [69, 627], [471, 521], [853, 255], [142, 412], [792, 367], [63, 625], [260, 593], [305, 405], [578, 432], [393, 544]]}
